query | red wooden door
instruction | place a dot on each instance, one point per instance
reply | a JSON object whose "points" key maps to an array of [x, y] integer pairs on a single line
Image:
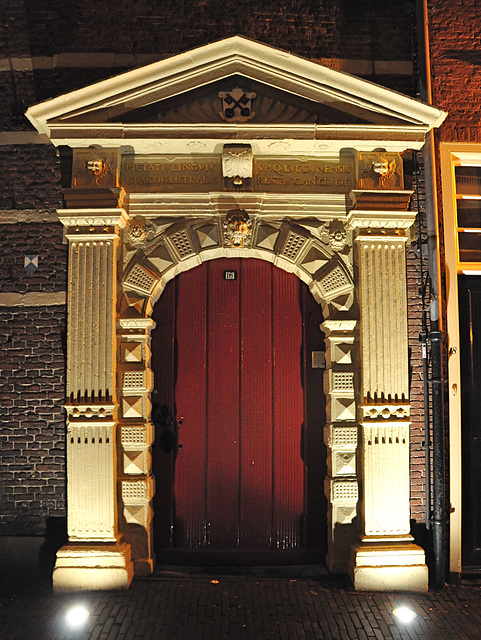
{"points": [[239, 459]]}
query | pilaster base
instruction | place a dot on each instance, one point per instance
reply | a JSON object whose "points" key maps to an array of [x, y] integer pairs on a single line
{"points": [[388, 566], [93, 567], [143, 567], [343, 537]]}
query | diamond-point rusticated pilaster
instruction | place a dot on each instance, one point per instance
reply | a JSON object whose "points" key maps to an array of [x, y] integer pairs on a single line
{"points": [[341, 438], [135, 439]]}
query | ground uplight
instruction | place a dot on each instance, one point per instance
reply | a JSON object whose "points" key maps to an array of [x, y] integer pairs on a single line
{"points": [[77, 616], [404, 614]]}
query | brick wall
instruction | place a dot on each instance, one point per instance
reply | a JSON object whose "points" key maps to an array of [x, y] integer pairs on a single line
{"points": [[417, 269], [41, 29], [44, 240], [455, 35], [31, 179], [32, 434], [312, 28]]}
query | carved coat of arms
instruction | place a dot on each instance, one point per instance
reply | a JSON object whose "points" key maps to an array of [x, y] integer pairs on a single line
{"points": [[237, 228], [237, 105]]}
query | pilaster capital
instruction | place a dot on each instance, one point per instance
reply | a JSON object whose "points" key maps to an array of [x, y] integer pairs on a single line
{"points": [[381, 223], [330, 327], [135, 325], [381, 213], [99, 413], [93, 224]]}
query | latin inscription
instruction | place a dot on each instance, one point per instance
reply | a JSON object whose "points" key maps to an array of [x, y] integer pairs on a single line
{"points": [[304, 175], [165, 174], [170, 174]]}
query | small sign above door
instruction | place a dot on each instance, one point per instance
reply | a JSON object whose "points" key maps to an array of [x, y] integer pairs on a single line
{"points": [[230, 275]]}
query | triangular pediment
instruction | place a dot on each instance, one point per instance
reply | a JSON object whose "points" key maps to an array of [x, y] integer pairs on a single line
{"points": [[263, 103], [264, 87]]}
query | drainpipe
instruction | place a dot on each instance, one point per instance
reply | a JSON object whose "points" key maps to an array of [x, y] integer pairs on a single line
{"points": [[436, 336]]}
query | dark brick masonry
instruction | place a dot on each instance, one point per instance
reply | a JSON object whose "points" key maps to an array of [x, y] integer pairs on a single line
{"points": [[32, 436], [216, 607]]}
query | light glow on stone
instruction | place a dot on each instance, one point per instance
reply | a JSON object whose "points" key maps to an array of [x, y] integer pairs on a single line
{"points": [[404, 614], [77, 616]]}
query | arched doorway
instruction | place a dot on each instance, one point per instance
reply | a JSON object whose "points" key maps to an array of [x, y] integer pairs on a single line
{"points": [[238, 408]]}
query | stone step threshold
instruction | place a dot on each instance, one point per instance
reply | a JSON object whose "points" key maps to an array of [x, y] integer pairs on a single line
{"points": [[274, 571]]}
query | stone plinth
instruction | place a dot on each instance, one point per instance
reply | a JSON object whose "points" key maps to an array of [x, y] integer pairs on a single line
{"points": [[388, 566], [90, 567]]}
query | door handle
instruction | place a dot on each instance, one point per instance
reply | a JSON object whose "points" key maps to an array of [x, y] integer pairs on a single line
{"points": [[163, 421]]}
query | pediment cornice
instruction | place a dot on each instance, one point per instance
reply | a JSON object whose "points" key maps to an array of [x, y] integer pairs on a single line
{"points": [[107, 109]]}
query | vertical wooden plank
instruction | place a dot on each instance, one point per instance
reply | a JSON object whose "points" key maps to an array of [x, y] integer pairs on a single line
{"points": [[313, 447], [191, 345], [256, 409], [162, 363], [288, 413], [223, 406]]}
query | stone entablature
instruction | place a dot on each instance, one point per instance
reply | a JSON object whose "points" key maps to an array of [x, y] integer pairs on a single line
{"points": [[280, 171]]}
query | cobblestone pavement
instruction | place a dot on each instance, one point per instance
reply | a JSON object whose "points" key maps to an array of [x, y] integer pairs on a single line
{"points": [[197, 607]]}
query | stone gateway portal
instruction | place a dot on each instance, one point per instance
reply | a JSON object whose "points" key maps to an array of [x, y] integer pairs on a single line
{"points": [[166, 183]]}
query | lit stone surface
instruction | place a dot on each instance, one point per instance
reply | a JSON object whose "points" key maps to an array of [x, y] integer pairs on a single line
{"points": [[385, 558], [389, 567], [93, 559], [90, 568]]}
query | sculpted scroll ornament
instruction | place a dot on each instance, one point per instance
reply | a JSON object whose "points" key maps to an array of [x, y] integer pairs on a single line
{"points": [[237, 162]]}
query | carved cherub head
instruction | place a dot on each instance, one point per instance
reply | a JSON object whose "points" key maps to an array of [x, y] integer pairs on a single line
{"points": [[386, 171], [97, 167], [380, 166]]}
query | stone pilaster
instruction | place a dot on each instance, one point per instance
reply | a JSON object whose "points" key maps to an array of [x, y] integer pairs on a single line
{"points": [[94, 557], [341, 438], [135, 439], [385, 558]]}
